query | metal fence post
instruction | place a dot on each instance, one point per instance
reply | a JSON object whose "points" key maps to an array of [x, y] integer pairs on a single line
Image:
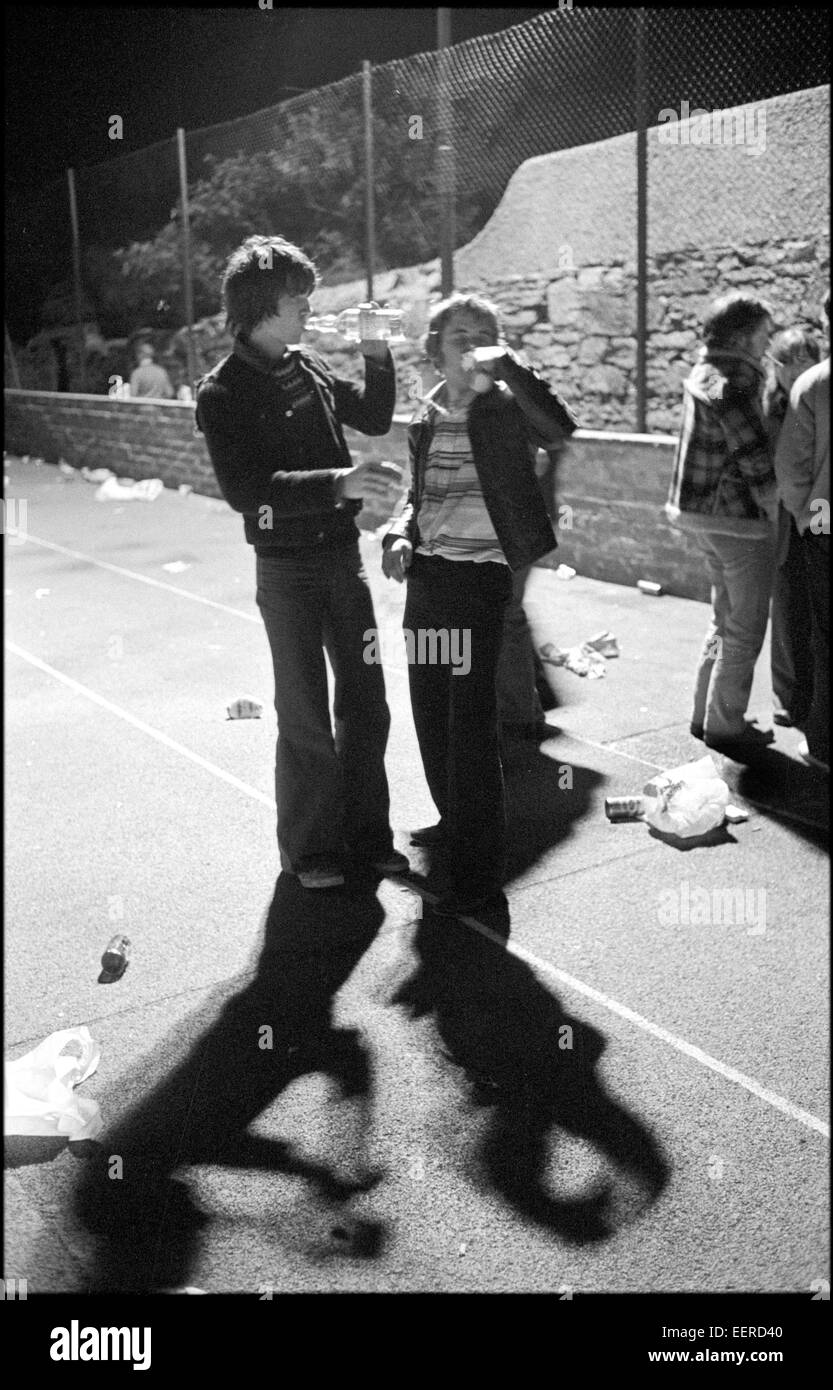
{"points": [[76, 278], [186, 258], [641, 224], [445, 153], [369, 189]]}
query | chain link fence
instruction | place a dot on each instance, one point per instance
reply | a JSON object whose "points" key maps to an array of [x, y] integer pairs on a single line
{"points": [[463, 118]]}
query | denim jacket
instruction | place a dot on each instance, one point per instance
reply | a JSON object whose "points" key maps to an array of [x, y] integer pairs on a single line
{"points": [[506, 427]]}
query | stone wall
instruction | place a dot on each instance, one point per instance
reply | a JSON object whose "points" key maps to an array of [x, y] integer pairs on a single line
{"points": [[610, 488]]}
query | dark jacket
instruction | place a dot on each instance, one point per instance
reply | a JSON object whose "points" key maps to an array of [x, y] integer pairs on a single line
{"points": [[282, 477], [506, 427]]}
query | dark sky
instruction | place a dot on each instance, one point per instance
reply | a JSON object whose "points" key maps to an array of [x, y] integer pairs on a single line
{"points": [[68, 69]]}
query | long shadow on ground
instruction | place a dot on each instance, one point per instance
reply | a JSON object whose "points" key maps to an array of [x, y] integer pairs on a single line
{"points": [[241, 1053], [534, 1067]]}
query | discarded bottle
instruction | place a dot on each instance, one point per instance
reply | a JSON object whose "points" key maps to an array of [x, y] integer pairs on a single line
{"points": [[365, 321], [116, 956], [647, 586]]}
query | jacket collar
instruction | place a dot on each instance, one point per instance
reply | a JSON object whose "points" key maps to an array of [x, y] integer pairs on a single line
{"points": [[726, 356], [253, 357]]}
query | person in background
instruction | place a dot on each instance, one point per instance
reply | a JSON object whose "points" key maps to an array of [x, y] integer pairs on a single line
{"points": [[272, 414], [723, 494], [149, 379], [791, 352], [523, 691], [802, 467], [473, 517]]}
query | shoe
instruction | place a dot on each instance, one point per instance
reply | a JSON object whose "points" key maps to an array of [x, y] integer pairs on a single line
{"points": [[752, 740], [696, 731], [787, 720], [321, 876], [806, 756], [391, 863], [430, 835], [453, 904]]}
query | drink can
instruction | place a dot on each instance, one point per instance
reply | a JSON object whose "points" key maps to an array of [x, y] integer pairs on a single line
{"points": [[245, 708], [619, 808], [647, 586], [116, 956]]}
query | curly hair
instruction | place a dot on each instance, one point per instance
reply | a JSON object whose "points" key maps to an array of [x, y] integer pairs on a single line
{"points": [[257, 274]]}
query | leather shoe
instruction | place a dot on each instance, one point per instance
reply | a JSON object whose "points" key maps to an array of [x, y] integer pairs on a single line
{"points": [[430, 835]]}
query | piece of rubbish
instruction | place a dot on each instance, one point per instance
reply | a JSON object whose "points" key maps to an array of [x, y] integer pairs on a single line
{"points": [[116, 955], [462, 1249], [647, 586], [564, 572], [96, 475], [185, 488], [129, 490], [582, 660], [66, 469], [40, 1088], [604, 642], [618, 808], [42, 593], [245, 708], [736, 814], [686, 801], [176, 566], [690, 799]]}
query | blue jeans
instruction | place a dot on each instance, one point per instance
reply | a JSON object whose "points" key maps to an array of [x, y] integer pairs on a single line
{"points": [[330, 782], [741, 573]]}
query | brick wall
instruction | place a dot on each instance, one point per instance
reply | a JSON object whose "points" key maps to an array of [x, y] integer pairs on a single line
{"points": [[610, 487]]}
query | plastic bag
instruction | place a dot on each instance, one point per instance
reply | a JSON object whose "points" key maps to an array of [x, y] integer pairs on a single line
{"points": [[146, 490], [40, 1095], [689, 800]]}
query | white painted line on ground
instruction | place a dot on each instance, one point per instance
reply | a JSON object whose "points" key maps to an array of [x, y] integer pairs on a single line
{"points": [[145, 579], [143, 727], [728, 1073]]}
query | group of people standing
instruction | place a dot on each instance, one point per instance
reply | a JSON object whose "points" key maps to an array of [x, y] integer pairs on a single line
{"points": [[751, 485], [474, 521]]}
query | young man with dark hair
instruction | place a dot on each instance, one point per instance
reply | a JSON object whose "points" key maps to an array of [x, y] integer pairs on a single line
{"points": [[272, 415], [802, 467], [474, 516], [723, 494]]}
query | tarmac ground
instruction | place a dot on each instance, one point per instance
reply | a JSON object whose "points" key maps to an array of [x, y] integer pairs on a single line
{"points": [[616, 1084]]}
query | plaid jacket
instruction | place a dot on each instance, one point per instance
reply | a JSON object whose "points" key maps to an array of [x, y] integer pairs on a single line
{"points": [[723, 478]]}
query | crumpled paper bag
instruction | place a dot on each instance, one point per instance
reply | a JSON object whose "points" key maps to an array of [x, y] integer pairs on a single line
{"points": [[40, 1094], [689, 800]]}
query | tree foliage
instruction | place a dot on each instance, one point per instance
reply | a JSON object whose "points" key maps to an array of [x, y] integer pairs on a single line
{"points": [[310, 188]]}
